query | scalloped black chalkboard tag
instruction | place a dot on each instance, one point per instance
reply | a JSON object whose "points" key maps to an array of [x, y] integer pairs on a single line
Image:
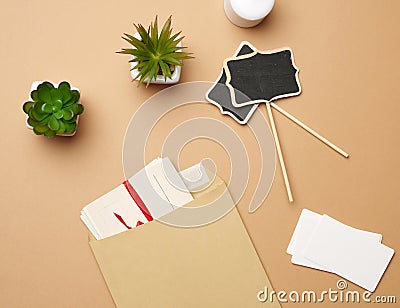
{"points": [[220, 96], [263, 76], [252, 77]]}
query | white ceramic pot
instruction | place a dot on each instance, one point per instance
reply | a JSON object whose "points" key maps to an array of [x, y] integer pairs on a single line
{"points": [[175, 76], [34, 86], [247, 13]]}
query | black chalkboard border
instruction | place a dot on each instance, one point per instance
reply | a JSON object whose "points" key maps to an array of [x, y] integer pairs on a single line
{"points": [[229, 76], [221, 108]]}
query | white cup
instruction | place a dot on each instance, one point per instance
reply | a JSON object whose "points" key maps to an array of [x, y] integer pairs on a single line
{"points": [[247, 13]]}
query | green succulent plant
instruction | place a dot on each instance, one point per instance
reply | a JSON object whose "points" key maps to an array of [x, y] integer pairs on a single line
{"points": [[53, 111], [155, 53]]}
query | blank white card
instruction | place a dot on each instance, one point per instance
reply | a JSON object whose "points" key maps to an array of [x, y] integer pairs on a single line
{"points": [[324, 243]]}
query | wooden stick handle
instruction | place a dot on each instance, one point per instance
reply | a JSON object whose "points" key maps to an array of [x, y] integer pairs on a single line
{"points": [[310, 130], [280, 156]]}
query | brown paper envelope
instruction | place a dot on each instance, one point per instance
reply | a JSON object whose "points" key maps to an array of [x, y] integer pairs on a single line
{"points": [[156, 265]]}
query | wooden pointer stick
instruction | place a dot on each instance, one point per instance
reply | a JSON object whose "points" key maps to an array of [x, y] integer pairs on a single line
{"points": [[310, 130], [280, 156]]}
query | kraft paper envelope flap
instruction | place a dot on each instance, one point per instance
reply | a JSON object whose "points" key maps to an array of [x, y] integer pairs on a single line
{"points": [[156, 265]]}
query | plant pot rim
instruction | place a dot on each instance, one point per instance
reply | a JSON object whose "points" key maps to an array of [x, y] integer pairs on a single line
{"points": [[175, 76], [34, 86]]}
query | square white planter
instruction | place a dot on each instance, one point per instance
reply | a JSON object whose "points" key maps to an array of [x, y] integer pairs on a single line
{"points": [[34, 86], [175, 76]]}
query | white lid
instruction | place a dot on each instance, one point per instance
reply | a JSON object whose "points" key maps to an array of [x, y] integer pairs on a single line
{"points": [[252, 9]]}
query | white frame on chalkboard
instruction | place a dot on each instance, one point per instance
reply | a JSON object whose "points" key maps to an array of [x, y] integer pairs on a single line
{"points": [[249, 55]]}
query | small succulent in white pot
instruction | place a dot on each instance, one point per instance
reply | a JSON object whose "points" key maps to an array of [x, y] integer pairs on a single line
{"points": [[53, 109], [156, 56]]}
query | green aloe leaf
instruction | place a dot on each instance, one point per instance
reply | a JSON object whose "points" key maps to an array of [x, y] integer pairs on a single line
{"points": [[171, 60], [139, 65], [27, 106], [126, 51], [148, 79], [176, 40], [165, 33], [134, 41], [177, 55], [171, 41], [165, 70], [154, 71], [141, 54], [53, 123], [144, 69], [154, 33], [151, 47], [144, 35], [144, 72], [171, 50]]}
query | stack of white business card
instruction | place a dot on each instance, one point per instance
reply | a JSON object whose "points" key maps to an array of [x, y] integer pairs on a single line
{"points": [[154, 191], [326, 244]]}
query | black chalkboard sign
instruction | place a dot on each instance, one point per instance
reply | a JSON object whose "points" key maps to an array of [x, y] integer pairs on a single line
{"points": [[219, 93], [252, 77], [262, 76]]}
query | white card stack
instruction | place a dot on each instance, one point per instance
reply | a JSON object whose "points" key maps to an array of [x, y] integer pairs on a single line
{"points": [[154, 191], [326, 244]]}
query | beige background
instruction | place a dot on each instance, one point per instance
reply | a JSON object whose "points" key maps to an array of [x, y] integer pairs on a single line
{"points": [[347, 52]]}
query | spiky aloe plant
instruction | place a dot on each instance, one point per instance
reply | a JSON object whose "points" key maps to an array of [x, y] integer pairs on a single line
{"points": [[155, 53], [53, 111]]}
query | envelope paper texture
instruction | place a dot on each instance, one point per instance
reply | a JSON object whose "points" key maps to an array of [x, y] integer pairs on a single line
{"points": [[157, 265]]}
